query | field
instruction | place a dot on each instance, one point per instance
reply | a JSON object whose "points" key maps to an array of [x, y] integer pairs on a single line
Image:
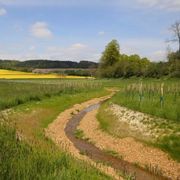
{"points": [[20, 91], [30, 155], [29, 106], [9, 74]]}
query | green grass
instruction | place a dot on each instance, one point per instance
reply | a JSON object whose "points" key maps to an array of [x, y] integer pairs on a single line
{"points": [[129, 96], [36, 103], [35, 156], [13, 93], [171, 144], [169, 110], [19, 160], [79, 134], [106, 119], [113, 153]]}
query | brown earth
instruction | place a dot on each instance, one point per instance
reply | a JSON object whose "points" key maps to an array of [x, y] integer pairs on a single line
{"points": [[129, 149], [55, 131]]}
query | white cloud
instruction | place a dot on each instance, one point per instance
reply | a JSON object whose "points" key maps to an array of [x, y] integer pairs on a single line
{"points": [[77, 46], [74, 52], [171, 5], [101, 33], [41, 30], [3, 12], [153, 48], [32, 48], [77, 51], [159, 55]]}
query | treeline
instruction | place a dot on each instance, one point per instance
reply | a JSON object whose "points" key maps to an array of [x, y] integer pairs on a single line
{"points": [[33, 64], [115, 65]]}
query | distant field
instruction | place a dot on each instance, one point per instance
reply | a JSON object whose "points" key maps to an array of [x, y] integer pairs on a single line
{"points": [[14, 92], [8, 74]]}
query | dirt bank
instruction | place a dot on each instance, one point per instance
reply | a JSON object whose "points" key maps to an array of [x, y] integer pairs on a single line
{"points": [[56, 132], [130, 150]]}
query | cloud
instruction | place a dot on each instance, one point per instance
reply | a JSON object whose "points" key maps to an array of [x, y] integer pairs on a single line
{"points": [[78, 46], [159, 55], [171, 5], [41, 30], [77, 51], [152, 48], [3, 12], [32, 48], [101, 33]]}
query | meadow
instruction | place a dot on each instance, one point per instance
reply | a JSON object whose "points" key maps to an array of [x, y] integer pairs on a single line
{"points": [[17, 92], [25, 151], [28, 154], [159, 98]]}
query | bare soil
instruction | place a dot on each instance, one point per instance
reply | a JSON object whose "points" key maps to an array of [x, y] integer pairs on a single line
{"points": [[136, 153], [129, 149], [56, 132]]}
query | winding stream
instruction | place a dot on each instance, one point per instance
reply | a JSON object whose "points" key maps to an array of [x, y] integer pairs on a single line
{"points": [[98, 155]]}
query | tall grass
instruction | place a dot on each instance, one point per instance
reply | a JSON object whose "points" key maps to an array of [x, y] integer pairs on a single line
{"points": [[154, 97], [13, 93], [159, 99], [19, 160], [27, 154]]}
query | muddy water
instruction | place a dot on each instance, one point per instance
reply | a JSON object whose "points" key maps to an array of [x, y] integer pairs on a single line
{"points": [[98, 155]]}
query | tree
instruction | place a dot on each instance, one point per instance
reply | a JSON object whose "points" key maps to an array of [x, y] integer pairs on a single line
{"points": [[109, 58], [175, 28], [174, 64], [111, 54]]}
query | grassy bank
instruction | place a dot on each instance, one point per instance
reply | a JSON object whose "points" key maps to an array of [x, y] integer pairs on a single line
{"points": [[27, 153], [19, 160], [148, 97]]}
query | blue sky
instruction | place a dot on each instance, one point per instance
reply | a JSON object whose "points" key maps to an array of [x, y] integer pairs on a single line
{"points": [[80, 29]]}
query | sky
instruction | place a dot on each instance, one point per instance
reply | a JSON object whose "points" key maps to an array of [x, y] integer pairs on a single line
{"points": [[80, 29]]}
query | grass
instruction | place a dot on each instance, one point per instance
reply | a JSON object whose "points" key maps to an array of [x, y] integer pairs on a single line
{"points": [[113, 153], [9, 74], [19, 160], [169, 111], [35, 104], [38, 115], [79, 134], [106, 120], [170, 144], [13, 93], [35, 156]]}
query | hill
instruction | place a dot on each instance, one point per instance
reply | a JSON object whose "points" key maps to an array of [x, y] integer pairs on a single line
{"points": [[33, 64]]}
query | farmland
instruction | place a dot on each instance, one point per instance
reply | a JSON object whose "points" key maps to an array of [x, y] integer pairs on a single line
{"points": [[9, 74], [35, 156]]}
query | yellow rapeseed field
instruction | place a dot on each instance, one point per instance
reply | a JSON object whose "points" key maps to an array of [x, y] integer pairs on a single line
{"points": [[9, 74]]}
